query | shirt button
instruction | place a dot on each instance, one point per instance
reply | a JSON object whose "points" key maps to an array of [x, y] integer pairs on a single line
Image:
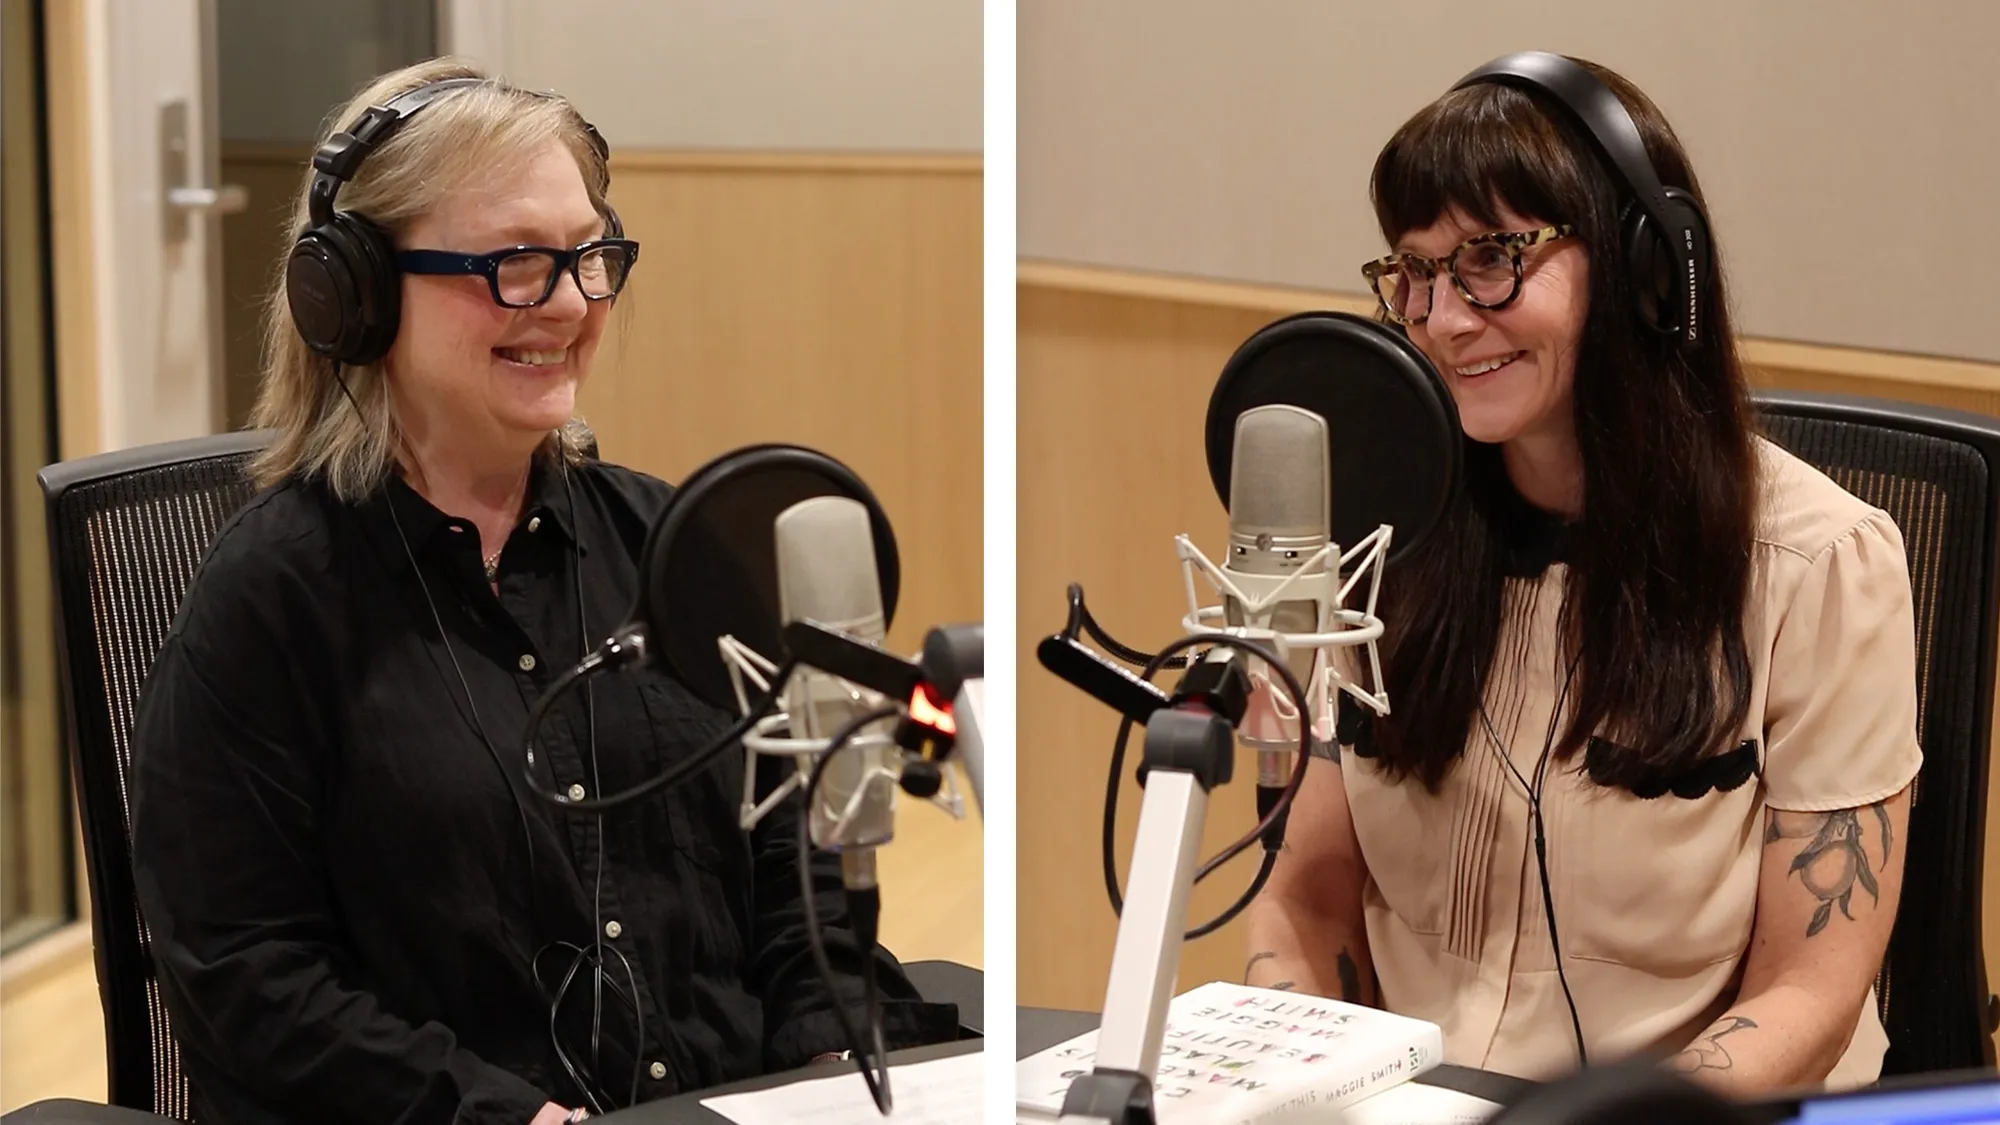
{"points": [[576, 792], [534, 524], [527, 662], [612, 929], [658, 1070]]}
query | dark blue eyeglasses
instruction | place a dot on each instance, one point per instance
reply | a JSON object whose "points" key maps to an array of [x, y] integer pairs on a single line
{"points": [[523, 277]]}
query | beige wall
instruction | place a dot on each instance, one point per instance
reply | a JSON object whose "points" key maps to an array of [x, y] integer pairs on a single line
{"points": [[1847, 146], [772, 75], [756, 75]]}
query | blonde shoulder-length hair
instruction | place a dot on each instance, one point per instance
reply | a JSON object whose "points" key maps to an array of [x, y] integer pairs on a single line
{"points": [[318, 431]]}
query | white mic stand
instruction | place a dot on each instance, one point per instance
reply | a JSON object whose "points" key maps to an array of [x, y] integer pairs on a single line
{"points": [[1186, 755]]}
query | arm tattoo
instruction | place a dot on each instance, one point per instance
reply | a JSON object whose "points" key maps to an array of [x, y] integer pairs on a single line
{"points": [[1833, 860], [1346, 966], [1265, 955], [1350, 979], [1707, 1052]]}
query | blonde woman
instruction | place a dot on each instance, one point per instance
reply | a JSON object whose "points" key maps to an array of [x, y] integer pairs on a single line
{"points": [[358, 912]]}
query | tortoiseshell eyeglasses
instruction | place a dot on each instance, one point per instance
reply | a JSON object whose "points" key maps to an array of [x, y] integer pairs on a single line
{"points": [[1485, 269]]}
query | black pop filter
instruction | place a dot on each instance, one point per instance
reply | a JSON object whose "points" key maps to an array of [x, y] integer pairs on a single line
{"points": [[1392, 427], [711, 568]]}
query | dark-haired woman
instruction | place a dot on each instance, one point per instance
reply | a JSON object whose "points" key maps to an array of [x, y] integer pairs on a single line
{"points": [[1644, 784]]}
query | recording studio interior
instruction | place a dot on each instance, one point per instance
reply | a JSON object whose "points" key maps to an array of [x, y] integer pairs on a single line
{"points": [[391, 730]]}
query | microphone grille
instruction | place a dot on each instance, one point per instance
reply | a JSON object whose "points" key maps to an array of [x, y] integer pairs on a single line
{"points": [[1280, 480], [826, 566]]}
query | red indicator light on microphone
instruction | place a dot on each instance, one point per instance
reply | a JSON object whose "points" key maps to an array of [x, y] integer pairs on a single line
{"points": [[928, 709]]}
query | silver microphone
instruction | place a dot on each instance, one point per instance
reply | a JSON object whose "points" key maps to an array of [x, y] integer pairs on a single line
{"points": [[1280, 497], [826, 575]]}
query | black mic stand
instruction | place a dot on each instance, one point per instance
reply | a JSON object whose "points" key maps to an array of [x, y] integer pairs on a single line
{"points": [[1189, 749]]}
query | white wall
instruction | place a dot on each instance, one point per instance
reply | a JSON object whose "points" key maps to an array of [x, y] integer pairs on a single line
{"points": [[1850, 148], [765, 75]]}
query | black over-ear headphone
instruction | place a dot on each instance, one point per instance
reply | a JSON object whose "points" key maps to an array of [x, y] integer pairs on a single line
{"points": [[1663, 229], [341, 280]]}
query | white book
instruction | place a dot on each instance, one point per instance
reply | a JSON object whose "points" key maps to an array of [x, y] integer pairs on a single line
{"points": [[1234, 1054]]}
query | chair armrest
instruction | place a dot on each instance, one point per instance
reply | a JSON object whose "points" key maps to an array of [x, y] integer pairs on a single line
{"points": [[948, 982], [68, 1111]]}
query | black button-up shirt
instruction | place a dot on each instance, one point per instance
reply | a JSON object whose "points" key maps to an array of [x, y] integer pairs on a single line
{"points": [[359, 914]]}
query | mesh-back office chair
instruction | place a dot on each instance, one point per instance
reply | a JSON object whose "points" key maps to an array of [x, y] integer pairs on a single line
{"points": [[1937, 473], [127, 531]]}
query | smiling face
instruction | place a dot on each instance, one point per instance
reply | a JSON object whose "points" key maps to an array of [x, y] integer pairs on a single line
{"points": [[465, 370], [1512, 371]]}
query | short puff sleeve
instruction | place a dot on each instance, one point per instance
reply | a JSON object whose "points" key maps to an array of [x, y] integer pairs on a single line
{"points": [[1840, 715]]}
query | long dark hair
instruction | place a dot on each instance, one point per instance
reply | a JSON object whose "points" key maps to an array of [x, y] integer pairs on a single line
{"points": [[1660, 563]]}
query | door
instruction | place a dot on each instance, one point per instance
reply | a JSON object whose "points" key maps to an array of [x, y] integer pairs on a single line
{"points": [[154, 204], [151, 149], [202, 115]]}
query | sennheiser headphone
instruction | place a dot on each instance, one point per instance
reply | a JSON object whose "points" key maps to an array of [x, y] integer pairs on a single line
{"points": [[342, 282], [1663, 230]]}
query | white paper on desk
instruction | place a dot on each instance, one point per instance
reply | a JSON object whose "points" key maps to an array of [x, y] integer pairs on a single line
{"points": [[1414, 1103], [947, 1091]]}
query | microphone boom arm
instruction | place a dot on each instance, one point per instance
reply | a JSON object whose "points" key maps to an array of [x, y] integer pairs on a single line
{"points": [[1188, 751]]}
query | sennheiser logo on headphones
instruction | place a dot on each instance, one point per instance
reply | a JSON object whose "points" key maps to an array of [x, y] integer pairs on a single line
{"points": [[1687, 236]]}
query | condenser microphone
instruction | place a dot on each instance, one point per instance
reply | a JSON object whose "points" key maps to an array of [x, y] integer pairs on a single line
{"points": [[826, 575], [1280, 494]]}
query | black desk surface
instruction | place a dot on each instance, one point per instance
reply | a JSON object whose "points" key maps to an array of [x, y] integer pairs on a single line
{"points": [[1035, 1030]]}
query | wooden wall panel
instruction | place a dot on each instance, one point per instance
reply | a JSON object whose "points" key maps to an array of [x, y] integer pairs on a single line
{"points": [[834, 304], [1111, 395], [1114, 374], [72, 236]]}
